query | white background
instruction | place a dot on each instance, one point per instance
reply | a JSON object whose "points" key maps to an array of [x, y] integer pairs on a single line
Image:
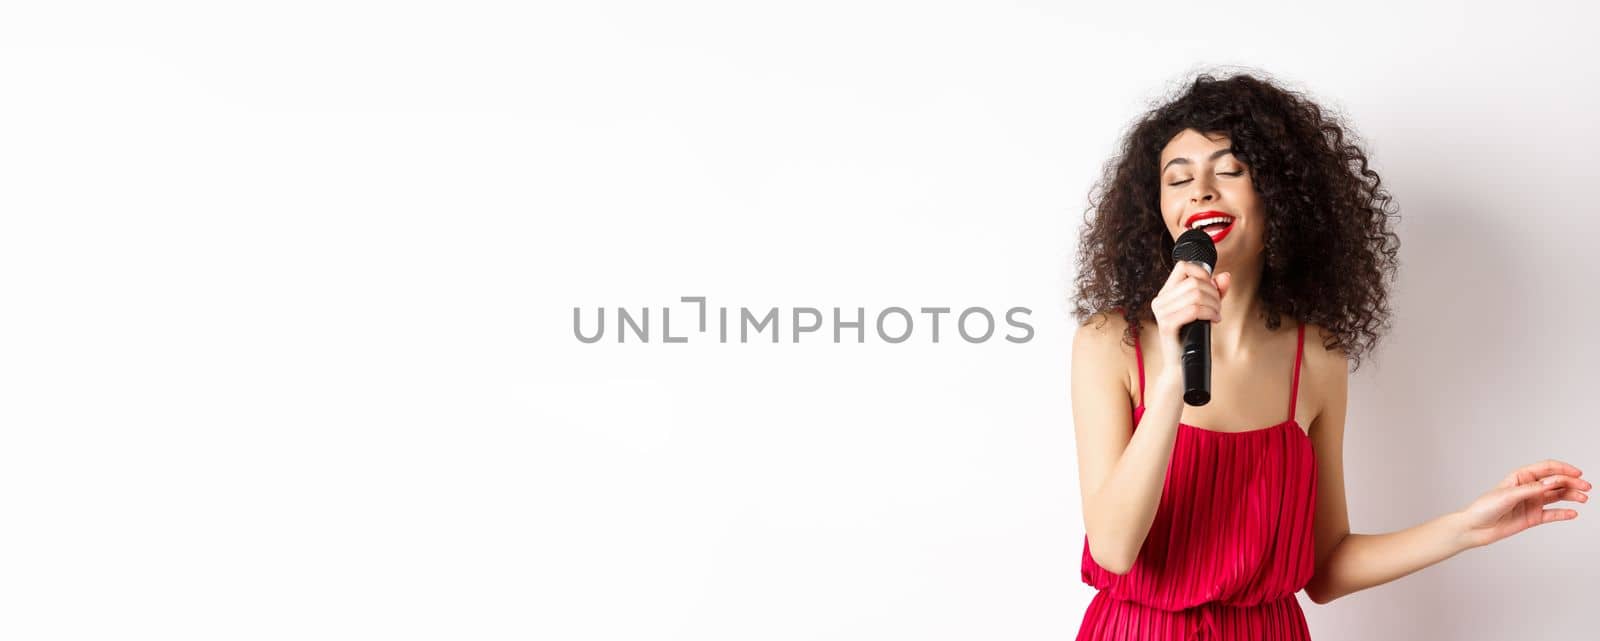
{"points": [[288, 288]]}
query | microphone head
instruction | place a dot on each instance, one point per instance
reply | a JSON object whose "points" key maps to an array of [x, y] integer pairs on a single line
{"points": [[1195, 245]]}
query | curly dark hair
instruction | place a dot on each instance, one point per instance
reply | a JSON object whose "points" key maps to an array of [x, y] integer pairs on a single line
{"points": [[1330, 252]]}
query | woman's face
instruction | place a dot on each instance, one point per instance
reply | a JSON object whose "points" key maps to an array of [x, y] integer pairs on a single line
{"points": [[1198, 175]]}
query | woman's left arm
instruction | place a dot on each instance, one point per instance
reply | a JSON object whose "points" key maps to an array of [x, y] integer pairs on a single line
{"points": [[1347, 563]]}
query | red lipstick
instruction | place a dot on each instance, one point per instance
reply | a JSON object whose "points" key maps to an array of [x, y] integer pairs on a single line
{"points": [[1216, 233]]}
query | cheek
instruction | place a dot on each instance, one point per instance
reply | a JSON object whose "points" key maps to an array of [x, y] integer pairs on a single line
{"points": [[1241, 192], [1171, 208], [1247, 201], [1257, 234]]}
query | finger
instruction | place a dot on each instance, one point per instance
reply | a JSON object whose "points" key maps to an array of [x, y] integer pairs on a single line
{"points": [[1182, 305], [1187, 278], [1520, 493], [1223, 280], [1197, 290], [1209, 305], [1186, 271], [1534, 490], [1181, 270], [1562, 480], [1550, 466], [1551, 496], [1203, 307], [1528, 474], [1173, 277], [1194, 270], [1557, 515], [1195, 311]]}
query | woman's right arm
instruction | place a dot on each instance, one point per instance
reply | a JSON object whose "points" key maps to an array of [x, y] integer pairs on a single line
{"points": [[1120, 474], [1120, 470]]}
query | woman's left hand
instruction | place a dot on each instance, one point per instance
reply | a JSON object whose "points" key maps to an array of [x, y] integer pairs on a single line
{"points": [[1517, 503]]}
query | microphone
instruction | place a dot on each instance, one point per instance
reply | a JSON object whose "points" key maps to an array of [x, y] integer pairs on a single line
{"points": [[1195, 246]]}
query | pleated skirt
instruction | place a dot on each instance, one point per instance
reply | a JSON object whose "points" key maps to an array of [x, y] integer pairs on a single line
{"points": [[1111, 619]]}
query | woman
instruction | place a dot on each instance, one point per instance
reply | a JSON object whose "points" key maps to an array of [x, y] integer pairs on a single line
{"points": [[1208, 532]]}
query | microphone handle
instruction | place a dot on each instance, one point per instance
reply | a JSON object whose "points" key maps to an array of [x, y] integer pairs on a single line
{"points": [[1196, 337]]}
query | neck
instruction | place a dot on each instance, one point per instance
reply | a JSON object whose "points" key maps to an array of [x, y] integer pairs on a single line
{"points": [[1243, 316]]}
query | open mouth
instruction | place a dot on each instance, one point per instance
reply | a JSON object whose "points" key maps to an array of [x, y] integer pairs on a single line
{"points": [[1217, 226]]}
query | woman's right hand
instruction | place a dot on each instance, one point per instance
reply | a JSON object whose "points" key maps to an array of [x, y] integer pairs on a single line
{"points": [[1190, 294]]}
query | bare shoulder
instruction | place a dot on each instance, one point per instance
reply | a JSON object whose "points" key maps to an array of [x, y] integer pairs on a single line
{"points": [[1103, 333], [1102, 325], [1326, 369], [1098, 349], [1321, 359]]}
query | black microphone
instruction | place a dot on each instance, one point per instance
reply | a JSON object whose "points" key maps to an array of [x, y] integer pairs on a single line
{"points": [[1195, 246]]}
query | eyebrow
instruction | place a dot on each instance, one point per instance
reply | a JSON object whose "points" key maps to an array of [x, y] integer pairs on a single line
{"points": [[1184, 161]]}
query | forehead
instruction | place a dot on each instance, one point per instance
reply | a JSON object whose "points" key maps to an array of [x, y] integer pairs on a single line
{"points": [[1193, 145]]}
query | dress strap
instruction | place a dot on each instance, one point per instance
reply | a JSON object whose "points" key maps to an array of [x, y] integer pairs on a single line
{"points": [[1138, 356], [1294, 391]]}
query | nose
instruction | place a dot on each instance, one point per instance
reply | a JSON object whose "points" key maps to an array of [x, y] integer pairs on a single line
{"points": [[1204, 192]]}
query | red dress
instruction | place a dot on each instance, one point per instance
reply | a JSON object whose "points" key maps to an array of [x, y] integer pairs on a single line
{"points": [[1231, 543]]}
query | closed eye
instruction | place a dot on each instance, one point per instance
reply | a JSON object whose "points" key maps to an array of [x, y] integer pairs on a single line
{"points": [[1220, 173]]}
